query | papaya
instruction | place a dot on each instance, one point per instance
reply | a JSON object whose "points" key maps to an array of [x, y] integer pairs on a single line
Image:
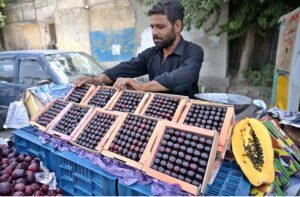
{"points": [[253, 151]]}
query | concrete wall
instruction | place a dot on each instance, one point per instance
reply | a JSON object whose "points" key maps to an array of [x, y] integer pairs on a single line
{"points": [[110, 30]]}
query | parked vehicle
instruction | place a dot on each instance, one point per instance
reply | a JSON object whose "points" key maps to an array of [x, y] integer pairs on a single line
{"points": [[20, 70]]}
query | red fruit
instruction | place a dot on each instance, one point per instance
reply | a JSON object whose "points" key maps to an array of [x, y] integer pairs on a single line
{"points": [[5, 161], [51, 193], [5, 188], [35, 186], [33, 167], [21, 157], [28, 190], [45, 188], [143, 125], [4, 166], [20, 187], [18, 193], [21, 166], [21, 180], [28, 158], [5, 178], [6, 171], [58, 190], [30, 178], [12, 160], [5, 152], [26, 163], [18, 173], [36, 160], [11, 155], [38, 193]]}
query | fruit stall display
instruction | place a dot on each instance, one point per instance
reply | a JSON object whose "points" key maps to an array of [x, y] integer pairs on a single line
{"points": [[168, 137], [17, 176], [130, 138]]}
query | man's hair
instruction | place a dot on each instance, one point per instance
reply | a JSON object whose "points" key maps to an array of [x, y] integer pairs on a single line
{"points": [[172, 8]]}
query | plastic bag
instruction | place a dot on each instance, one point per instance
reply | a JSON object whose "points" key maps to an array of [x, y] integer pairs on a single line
{"points": [[17, 116]]}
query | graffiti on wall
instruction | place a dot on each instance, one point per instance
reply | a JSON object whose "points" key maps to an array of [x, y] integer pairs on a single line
{"points": [[113, 45]]}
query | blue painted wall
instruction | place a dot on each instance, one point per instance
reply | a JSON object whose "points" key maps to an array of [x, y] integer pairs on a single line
{"points": [[101, 44]]}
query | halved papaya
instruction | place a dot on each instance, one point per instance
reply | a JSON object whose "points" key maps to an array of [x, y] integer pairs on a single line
{"points": [[253, 151]]}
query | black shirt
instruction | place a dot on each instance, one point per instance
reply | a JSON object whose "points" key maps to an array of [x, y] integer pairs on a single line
{"points": [[179, 73]]}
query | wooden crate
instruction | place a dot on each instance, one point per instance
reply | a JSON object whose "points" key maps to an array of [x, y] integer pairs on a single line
{"points": [[182, 101], [140, 105], [58, 118], [100, 88], [87, 94], [120, 117], [227, 126], [123, 159], [40, 127], [153, 150]]}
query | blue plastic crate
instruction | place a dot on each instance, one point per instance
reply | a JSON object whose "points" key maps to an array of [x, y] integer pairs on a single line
{"points": [[134, 190], [27, 141], [79, 177], [230, 181]]}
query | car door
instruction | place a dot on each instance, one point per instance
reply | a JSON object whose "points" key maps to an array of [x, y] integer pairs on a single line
{"points": [[8, 86], [30, 72]]}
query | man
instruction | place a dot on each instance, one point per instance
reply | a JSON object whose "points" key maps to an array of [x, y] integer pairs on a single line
{"points": [[173, 65]]}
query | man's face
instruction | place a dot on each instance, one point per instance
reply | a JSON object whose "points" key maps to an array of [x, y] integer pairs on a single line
{"points": [[163, 32]]}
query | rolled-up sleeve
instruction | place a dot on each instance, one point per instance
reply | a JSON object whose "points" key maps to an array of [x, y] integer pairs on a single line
{"points": [[135, 67], [180, 79]]}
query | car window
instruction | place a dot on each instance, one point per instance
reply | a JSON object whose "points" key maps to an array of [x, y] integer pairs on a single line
{"points": [[31, 72], [69, 66], [7, 69]]}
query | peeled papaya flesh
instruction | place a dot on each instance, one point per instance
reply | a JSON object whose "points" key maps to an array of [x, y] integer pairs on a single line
{"points": [[253, 151]]}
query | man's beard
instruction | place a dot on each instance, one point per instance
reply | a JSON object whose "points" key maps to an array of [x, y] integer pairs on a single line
{"points": [[167, 42]]}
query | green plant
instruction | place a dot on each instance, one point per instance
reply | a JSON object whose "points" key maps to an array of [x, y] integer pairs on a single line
{"points": [[263, 77]]}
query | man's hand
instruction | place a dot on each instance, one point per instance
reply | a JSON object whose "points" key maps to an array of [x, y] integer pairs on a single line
{"points": [[78, 82], [100, 79], [151, 86], [129, 83]]}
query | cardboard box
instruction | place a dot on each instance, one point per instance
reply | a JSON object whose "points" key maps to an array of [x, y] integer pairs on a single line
{"points": [[140, 104], [180, 107], [136, 164], [120, 117], [227, 126], [87, 94], [33, 104], [34, 120], [58, 118], [99, 89], [161, 127]]}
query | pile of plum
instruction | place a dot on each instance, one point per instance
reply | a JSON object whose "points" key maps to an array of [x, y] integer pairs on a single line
{"points": [[17, 175]]}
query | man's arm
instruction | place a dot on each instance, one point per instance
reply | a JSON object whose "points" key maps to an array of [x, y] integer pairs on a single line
{"points": [[133, 68]]}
